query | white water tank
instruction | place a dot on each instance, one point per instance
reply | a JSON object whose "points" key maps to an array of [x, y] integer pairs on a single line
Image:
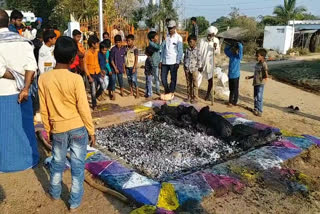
{"points": [[71, 27], [278, 38]]}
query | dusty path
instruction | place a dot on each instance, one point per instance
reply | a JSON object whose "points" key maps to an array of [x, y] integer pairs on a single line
{"points": [[24, 192]]}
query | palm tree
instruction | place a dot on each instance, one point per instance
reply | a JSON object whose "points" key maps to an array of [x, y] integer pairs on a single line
{"points": [[289, 11]]}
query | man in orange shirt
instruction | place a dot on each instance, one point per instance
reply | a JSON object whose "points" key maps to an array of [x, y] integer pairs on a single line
{"points": [[67, 118], [92, 69]]}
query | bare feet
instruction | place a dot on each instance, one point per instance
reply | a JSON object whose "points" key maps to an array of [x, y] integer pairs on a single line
{"points": [[113, 96]]}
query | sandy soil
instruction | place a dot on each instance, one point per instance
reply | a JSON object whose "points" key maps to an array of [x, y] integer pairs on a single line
{"points": [[261, 198], [24, 192]]}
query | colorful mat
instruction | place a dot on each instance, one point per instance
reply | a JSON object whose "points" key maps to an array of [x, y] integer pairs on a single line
{"points": [[230, 176]]}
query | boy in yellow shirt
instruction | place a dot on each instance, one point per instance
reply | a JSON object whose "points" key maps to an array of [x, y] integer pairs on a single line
{"points": [[67, 119]]}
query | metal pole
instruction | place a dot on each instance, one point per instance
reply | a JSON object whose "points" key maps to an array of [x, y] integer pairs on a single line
{"points": [[101, 19]]}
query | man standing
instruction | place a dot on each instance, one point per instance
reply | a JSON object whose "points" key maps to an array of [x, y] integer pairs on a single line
{"points": [[195, 29], [235, 53], [208, 48], [15, 21], [117, 31], [171, 56], [18, 145]]}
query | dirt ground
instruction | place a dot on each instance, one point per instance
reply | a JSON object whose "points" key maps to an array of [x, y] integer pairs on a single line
{"points": [[24, 192]]}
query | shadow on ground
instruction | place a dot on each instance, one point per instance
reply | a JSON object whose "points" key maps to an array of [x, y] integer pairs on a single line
{"points": [[2, 194], [284, 109]]}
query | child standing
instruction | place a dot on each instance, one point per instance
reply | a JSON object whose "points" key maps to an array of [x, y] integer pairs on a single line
{"points": [[77, 65], [92, 69], [67, 119], [104, 65], [156, 57], [46, 59], [192, 66], [131, 65], [235, 54], [148, 72], [117, 58], [259, 80]]}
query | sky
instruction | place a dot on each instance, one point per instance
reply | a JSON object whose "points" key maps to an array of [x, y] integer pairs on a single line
{"points": [[213, 9]]}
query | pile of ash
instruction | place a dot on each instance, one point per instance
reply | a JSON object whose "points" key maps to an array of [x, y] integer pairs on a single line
{"points": [[180, 140], [163, 151]]}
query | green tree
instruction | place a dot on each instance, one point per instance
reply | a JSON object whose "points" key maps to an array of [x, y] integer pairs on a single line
{"points": [[126, 8], [203, 25], [79, 9], [41, 8], [24, 5], [222, 23], [289, 11], [109, 10], [309, 16], [269, 21], [155, 15]]}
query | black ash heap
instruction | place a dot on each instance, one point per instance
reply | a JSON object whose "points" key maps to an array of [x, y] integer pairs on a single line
{"points": [[179, 140]]}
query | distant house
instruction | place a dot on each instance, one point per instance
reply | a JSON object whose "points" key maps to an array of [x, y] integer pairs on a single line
{"points": [[278, 38], [305, 24], [307, 34]]}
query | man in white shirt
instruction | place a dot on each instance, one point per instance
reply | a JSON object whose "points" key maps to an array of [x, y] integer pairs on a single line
{"points": [[209, 47], [117, 31], [18, 145], [46, 59], [171, 56]]}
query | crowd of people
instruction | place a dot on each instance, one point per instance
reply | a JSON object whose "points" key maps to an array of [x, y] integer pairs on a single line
{"points": [[50, 73]]}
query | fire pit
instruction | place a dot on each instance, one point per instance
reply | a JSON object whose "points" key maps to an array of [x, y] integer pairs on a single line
{"points": [[163, 151], [172, 144]]}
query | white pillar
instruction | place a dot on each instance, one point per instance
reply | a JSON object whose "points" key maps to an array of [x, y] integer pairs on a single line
{"points": [[101, 19]]}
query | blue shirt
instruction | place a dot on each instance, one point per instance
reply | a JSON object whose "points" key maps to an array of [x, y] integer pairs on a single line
{"points": [[235, 60], [172, 50], [13, 28], [156, 57], [102, 61]]}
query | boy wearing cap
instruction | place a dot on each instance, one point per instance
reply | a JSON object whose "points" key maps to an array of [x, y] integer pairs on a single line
{"points": [[171, 56]]}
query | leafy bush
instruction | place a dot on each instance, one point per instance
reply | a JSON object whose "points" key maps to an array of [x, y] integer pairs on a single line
{"points": [[299, 51], [250, 48]]}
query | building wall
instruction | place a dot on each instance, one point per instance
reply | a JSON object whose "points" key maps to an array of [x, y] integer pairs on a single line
{"points": [[279, 38]]}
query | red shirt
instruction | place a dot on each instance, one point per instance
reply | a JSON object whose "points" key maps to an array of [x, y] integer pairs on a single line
{"points": [[76, 62]]}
